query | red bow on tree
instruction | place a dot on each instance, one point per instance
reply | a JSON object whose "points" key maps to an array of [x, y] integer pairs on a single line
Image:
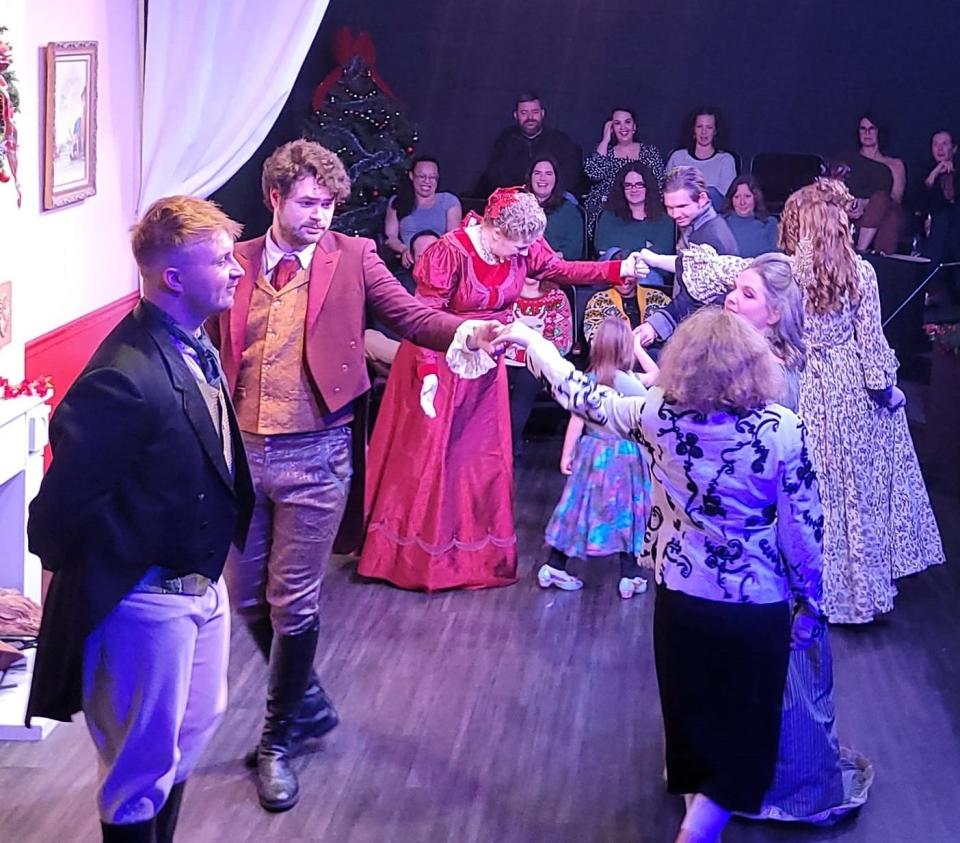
{"points": [[346, 45]]}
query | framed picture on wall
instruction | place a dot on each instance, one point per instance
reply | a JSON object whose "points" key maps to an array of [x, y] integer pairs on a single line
{"points": [[70, 123]]}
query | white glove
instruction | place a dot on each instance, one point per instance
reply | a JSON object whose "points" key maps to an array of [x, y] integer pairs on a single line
{"points": [[428, 391]]}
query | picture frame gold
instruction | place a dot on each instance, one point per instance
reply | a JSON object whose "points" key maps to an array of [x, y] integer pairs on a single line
{"points": [[70, 123]]}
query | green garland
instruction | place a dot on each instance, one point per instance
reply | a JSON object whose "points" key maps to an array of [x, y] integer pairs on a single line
{"points": [[6, 60]]}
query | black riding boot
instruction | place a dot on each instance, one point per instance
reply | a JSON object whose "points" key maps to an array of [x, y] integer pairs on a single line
{"points": [[291, 665], [142, 832], [317, 714], [170, 813]]}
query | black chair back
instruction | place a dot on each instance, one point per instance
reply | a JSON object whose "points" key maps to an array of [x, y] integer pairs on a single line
{"points": [[781, 173]]}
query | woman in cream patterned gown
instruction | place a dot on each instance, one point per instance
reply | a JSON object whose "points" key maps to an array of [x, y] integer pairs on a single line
{"points": [[879, 522]]}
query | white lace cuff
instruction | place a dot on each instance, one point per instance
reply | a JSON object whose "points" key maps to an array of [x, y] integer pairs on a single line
{"points": [[466, 363]]}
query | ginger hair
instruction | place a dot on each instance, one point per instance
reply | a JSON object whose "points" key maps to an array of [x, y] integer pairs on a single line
{"points": [[815, 219], [174, 223]]}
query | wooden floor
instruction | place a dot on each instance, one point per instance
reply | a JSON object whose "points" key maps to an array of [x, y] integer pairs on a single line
{"points": [[523, 715]]}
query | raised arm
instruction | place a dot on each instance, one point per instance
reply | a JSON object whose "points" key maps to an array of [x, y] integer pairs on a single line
{"points": [[544, 263], [702, 276], [418, 319], [572, 389]]}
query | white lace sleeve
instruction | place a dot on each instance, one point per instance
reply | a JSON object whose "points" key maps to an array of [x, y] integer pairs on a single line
{"points": [[465, 362]]}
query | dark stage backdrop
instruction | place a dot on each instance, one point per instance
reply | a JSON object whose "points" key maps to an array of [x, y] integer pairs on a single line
{"points": [[788, 77]]}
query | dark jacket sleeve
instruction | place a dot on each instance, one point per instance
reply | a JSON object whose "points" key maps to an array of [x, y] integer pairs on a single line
{"points": [[95, 434]]}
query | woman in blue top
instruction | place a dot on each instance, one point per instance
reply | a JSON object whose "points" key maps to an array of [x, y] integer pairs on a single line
{"points": [[746, 213], [418, 207]]}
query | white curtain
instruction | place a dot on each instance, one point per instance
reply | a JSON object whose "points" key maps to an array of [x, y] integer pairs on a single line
{"points": [[216, 74]]}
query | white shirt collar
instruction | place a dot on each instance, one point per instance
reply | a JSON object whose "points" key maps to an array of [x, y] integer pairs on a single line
{"points": [[272, 255]]}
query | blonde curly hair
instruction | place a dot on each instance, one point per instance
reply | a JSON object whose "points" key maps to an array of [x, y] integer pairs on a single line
{"points": [[517, 215], [815, 226], [718, 362]]}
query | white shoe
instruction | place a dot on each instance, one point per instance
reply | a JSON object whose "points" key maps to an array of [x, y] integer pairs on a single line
{"points": [[548, 575], [628, 586]]}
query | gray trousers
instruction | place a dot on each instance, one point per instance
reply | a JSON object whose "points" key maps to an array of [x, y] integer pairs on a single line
{"points": [[154, 692], [301, 482]]}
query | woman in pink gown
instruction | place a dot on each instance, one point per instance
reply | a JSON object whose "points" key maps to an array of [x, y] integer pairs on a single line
{"points": [[439, 491]]}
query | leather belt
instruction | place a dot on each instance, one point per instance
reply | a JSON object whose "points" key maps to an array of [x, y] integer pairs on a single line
{"points": [[159, 580]]}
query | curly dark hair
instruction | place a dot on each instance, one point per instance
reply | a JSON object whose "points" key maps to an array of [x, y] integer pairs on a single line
{"points": [[617, 202], [294, 160]]}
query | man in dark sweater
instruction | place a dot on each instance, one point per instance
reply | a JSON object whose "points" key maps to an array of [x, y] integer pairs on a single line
{"points": [[519, 146], [687, 203]]}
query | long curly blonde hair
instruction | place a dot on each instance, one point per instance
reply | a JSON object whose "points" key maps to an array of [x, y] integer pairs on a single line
{"points": [[815, 227]]}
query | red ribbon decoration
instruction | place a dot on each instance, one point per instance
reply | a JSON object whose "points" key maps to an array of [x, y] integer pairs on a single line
{"points": [[346, 45], [502, 197]]}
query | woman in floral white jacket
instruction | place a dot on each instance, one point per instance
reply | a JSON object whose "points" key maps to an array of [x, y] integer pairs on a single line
{"points": [[735, 536]]}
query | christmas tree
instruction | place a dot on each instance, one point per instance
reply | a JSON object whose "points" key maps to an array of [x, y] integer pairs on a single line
{"points": [[357, 116]]}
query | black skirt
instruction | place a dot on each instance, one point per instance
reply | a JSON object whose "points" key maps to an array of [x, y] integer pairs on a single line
{"points": [[721, 668]]}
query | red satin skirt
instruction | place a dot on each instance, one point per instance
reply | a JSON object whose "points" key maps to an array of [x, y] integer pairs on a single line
{"points": [[439, 492]]}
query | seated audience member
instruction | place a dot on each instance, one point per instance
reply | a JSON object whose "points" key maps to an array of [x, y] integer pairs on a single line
{"points": [[545, 308], [735, 539], [626, 300], [688, 205], [633, 217], [937, 201], [877, 182], [380, 342], [702, 136], [419, 207], [746, 213], [618, 146], [517, 147], [564, 220]]}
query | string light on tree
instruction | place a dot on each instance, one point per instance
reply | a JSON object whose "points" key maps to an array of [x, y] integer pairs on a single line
{"points": [[373, 139]]}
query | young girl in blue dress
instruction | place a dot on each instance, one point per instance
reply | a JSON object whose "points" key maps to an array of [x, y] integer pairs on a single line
{"points": [[604, 504]]}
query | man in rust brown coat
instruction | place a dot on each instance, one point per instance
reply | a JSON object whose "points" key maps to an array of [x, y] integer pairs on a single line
{"points": [[292, 352]]}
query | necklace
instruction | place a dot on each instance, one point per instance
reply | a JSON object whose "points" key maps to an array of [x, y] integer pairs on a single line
{"points": [[484, 251]]}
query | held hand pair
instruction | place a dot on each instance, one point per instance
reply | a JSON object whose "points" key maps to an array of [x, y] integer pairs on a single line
{"points": [[633, 266]]}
